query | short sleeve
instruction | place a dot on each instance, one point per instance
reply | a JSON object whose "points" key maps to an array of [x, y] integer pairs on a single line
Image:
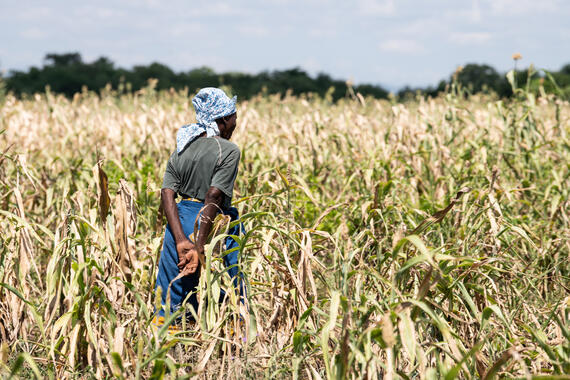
{"points": [[225, 173], [171, 177]]}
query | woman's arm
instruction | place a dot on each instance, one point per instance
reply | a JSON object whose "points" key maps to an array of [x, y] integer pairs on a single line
{"points": [[186, 250], [213, 202], [167, 197]]}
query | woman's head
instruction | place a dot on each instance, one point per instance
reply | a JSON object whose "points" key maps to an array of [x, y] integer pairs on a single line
{"points": [[215, 116], [212, 103], [226, 125]]}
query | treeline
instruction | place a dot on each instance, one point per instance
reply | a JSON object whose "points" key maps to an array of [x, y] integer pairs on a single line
{"points": [[68, 74], [481, 78]]}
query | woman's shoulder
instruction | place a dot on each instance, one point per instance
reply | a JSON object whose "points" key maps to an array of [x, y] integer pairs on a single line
{"points": [[218, 145], [228, 145]]}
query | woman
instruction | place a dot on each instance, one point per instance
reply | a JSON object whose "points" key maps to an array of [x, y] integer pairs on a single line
{"points": [[202, 171]]}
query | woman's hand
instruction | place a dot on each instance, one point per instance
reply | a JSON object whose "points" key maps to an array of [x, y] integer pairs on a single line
{"points": [[192, 263], [187, 257]]}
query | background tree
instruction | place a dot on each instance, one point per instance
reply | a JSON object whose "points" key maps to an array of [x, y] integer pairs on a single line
{"points": [[483, 78], [68, 74]]}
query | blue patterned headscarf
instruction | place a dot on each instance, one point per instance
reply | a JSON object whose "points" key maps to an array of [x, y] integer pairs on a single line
{"points": [[210, 104]]}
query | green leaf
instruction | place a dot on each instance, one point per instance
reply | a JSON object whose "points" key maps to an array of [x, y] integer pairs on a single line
{"points": [[408, 334], [454, 371], [118, 362]]}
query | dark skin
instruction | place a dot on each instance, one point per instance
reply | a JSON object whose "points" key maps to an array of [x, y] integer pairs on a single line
{"points": [[188, 252]]}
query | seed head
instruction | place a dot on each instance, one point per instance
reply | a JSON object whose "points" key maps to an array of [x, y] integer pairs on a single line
{"points": [[517, 56]]}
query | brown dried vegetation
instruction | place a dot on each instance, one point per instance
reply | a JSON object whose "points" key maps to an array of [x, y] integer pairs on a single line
{"points": [[423, 240]]}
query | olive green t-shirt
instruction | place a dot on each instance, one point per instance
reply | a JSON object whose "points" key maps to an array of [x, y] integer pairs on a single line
{"points": [[205, 162]]}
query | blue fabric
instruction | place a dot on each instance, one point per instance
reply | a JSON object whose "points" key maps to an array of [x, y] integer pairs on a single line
{"points": [[168, 263], [210, 104]]}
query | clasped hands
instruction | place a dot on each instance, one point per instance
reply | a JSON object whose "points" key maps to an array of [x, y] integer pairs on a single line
{"points": [[188, 257]]}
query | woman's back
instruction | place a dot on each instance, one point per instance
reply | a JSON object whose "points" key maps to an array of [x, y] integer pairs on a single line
{"points": [[205, 162]]}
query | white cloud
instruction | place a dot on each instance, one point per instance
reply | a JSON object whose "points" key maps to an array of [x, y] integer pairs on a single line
{"points": [[276, 2], [507, 7], [402, 46], [377, 7], [217, 9], [183, 29], [421, 27], [472, 38], [94, 15], [36, 13], [253, 31], [34, 34], [462, 14], [322, 32], [475, 11]]}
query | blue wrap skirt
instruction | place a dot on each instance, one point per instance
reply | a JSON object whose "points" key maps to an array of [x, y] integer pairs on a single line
{"points": [[168, 263]]}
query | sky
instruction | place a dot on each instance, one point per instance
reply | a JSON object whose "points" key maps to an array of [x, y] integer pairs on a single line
{"points": [[387, 42]]}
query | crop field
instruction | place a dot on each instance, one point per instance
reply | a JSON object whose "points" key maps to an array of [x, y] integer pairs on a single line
{"points": [[422, 240]]}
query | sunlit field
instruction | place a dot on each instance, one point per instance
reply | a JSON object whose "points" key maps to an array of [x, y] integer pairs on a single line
{"points": [[423, 240]]}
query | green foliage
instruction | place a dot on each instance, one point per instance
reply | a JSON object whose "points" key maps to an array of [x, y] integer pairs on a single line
{"points": [[483, 78], [2, 89], [480, 78], [67, 74]]}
